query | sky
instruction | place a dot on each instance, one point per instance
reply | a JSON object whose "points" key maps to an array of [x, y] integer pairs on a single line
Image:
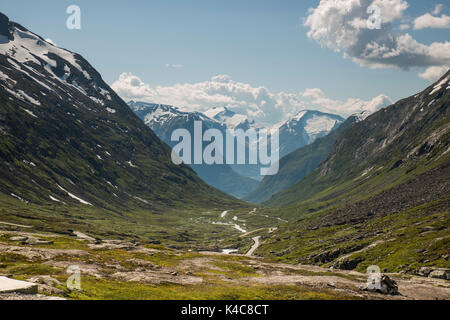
{"points": [[268, 59]]}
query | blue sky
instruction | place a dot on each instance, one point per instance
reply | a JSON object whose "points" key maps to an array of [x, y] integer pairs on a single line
{"points": [[262, 43]]}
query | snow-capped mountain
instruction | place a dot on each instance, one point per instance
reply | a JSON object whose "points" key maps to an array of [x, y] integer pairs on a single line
{"points": [[164, 120], [66, 138], [305, 128], [295, 133], [229, 118], [52, 68]]}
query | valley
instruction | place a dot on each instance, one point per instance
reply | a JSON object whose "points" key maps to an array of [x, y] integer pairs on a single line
{"points": [[88, 181], [120, 269]]}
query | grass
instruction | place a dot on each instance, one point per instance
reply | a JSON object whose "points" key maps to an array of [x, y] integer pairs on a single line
{"points": [[212, 272], [409, 239], [103, 290]]}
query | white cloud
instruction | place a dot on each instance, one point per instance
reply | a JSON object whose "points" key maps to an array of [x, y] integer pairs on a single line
{"points": [[429, 21], [319, 101], [258, 103], [342, 26], [433, 74], [404, 26]]}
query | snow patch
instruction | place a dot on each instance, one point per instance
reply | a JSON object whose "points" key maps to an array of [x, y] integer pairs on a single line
{"points": [[30, 112], [54, 199], [19, 198], [74, 196], [131, 164], [439, 85]]}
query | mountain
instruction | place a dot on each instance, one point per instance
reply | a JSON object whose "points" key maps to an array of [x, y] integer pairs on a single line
{"points": [[299, 163], [163, 120], [230, 119], [408, 134], [305, 128], [381, 197], [68, 141], [299, 131]]}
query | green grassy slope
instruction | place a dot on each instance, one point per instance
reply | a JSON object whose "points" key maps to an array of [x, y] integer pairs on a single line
{"points": [[381, 197], [79, 155], [412, 134]]}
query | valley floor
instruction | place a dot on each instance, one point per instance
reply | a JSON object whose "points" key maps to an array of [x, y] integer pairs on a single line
{"points": [[120, 269]]}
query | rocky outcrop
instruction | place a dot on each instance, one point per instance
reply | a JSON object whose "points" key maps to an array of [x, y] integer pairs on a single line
{"points": [[432, 272], [386, 286], [4, 26], [8, 285]]}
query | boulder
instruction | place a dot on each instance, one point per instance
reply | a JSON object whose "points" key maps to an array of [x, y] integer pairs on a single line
{"points": [[440, 274], [387, 286], [433, 272], [8, 285]]}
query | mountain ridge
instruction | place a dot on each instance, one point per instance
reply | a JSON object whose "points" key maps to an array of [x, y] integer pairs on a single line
{"points": [[68, 139]]}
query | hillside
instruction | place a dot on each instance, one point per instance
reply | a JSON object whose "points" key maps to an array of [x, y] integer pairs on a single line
{"points": [[389, 146], [381, 196], [73, 153]]}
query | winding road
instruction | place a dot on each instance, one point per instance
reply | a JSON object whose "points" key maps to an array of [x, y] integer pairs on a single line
{"points": [[254, 247]]}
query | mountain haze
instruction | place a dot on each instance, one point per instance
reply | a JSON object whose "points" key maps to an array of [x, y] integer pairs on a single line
{"points": [[164, 120]]}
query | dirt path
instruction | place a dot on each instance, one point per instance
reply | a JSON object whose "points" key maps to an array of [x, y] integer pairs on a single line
{"points": [[254, 247]]}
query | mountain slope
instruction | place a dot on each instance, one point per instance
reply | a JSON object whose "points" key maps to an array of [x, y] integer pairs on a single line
{"points": [[380, 198], [68, 141], [163, 120], [407, 136], [305, 128], [297, 165]]}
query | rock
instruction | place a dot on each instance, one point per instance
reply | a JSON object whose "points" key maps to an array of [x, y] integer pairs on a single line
{"points": [[424, 271], [49, 289], [4, 26], [440, 274], [8, 285], [18, 238], [432, 272], [387, 286], [46, 280], [349, 264], [33, 241]]}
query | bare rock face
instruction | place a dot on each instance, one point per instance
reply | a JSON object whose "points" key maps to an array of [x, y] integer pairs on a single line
{"points": [[436, 273], [4, 27]]}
